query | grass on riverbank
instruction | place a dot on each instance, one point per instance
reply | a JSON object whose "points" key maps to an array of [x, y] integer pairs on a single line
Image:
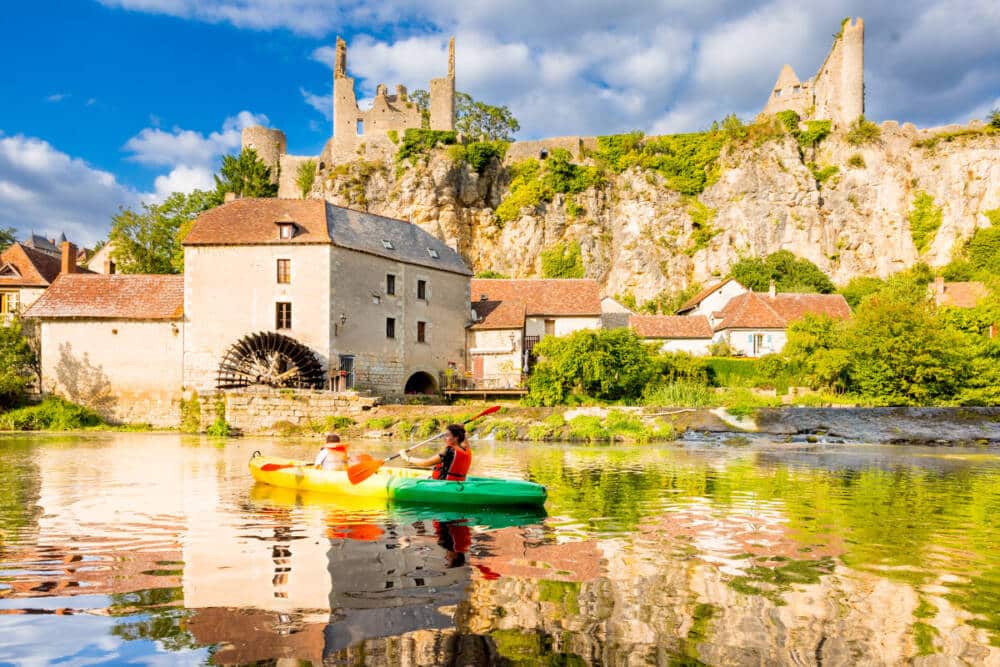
{"points": [[57, 414]]}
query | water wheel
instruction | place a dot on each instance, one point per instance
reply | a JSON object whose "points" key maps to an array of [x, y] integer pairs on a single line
{"points": [[269, 359]]}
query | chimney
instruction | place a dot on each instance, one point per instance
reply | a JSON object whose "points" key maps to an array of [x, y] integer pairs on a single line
{"points": [[68, 258], [483, 297], [229, 196], [772, 290]]}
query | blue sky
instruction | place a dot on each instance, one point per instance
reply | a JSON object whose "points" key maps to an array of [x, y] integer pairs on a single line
{"points": [[116, 102]]}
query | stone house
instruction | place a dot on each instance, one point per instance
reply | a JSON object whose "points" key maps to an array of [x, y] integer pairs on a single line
{"points": [[712, 299], [674, 333], [957, 294], [26, 272], [114, 343], [378, 303], [511, 316], [755, 324]]}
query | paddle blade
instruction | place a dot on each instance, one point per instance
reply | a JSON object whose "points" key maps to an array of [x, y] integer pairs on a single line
{"points": [[359, 472], [487, 411], [270, 467]]}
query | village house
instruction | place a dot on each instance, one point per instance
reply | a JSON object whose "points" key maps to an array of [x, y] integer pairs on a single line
{"points": [[756, 323], [674, 333], [114, 343], [278, 290], [511, 316], [957, 294], [712, 299], [26, 272]]}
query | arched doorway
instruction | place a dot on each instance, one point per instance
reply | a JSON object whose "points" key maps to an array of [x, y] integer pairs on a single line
{"points": [[421, 383]]}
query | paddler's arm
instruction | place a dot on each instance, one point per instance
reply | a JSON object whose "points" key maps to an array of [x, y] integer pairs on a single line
{"points": [[420, 463]]}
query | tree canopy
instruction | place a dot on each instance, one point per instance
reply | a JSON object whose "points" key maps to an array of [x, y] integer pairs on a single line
{"points": [[789, 273], [246, 175], [17, 365], [7, 237], [475, 120], [149, 241]]}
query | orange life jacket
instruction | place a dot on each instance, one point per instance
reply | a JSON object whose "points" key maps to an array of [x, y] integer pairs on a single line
{"points": [[456, 468]]}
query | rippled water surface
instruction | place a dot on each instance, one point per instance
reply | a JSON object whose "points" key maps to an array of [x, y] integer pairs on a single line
{"points": [[139, 549]]}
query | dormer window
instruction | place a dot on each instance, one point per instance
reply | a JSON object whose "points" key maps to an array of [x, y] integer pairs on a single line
{"points": [[286, 230], [387, 244], [433, 253]]}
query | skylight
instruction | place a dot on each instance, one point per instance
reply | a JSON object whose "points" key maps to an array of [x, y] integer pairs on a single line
{"points": [[387, 244], [433, 253]]}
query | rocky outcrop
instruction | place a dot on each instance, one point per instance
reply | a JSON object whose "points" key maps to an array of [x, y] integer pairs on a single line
{"points": [[637, 235]]}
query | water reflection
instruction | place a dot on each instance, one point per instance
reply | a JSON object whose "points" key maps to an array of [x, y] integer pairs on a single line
{"points": [[136, 548]]}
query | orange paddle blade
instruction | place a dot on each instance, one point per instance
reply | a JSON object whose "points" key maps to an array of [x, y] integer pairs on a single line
{"points": [[359, 472], [269, 467]]}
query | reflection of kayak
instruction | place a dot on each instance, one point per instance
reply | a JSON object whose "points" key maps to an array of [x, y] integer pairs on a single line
{"points": [[359, 511], [401, 484]]}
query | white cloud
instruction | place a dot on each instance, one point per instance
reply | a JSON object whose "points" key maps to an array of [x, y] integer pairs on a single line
{"points": [[321, 103], [47, 191], [183, 178], [154, 146], [57, 97]]}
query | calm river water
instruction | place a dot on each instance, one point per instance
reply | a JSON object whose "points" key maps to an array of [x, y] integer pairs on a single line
{"points": [[140, 549]]}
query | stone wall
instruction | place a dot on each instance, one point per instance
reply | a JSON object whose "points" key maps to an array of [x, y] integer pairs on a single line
{"points": [[288, 174], [269, 144], [257, 411], [521, 150]]}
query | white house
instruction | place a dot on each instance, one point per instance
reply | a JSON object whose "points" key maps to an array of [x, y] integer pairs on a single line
{"points": [[674, 333], [712, 299]]}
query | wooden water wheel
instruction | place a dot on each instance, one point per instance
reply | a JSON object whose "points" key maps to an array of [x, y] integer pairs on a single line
{"points": [[269, 359]]}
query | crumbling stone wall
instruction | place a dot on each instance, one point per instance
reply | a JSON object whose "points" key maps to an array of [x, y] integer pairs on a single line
{"points": [[258, 410]]}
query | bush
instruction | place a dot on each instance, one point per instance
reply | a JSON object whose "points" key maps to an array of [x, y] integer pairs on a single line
{"points": [[607, 365], [587, 427], [789, 273], [526, 190], [856, 161], [492, 274], [702, 231], [823, 174], [52, 414], [563, 260], [860, 287], [627, 426], [379, 423], [732, 372], [688, 162], [425, 428], [480, 154], [815, 132], [220, 427], [790, 119], [420, 142], [305, 175], [924, 218], [17, 365], [672, 367], [680, 394], [191, 414], [862, 132]]}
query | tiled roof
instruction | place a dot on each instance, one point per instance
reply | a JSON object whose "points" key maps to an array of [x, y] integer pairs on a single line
{"points": [[702, 295], [255, 222], [498, 315], [670, 326], [959, 295], [753, 310], [35, 268], [553, 296], [114, 297]]}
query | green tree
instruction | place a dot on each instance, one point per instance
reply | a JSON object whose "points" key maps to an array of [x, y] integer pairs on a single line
{"points": [[475, 120], [149, 241], [608, 365], [813, 351], [246, 175], [17, 365], [994, 119], [7, 237], [563, 260], [305, 175], [860, 287], [789, 273]]}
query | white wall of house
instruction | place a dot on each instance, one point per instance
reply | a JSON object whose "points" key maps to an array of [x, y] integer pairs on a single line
{"points": [[127, 370], [18, 299], [358, 289], [718, 299], [231, 291], [695, 346], [500, 352], [742, 341], [535, 326]]}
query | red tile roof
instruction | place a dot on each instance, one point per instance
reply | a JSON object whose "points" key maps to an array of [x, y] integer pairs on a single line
{"points": [[753, 310], [541, 296], [702, 295], [498, 315], [959, 295], [255, 221], [34, 268], [670, 326], [114, 297]]}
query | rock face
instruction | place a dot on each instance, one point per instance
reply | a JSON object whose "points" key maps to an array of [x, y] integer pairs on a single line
{"points": [[636, 233]]}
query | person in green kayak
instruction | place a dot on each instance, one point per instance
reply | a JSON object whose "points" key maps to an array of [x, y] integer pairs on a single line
{"points": [[451, 463]]}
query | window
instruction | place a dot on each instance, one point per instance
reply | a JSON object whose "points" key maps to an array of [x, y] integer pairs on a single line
{"points": [[421, 332], [390, 283], [361, 126], [286, 231], [387, 244], [390, 327], [8, 303], [433, 253], [757, 340], [284, 271], [282, 315], [422, 290]]}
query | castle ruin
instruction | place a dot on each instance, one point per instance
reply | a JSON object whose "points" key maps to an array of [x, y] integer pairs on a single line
{"points": [[357, 133], [837, 92]]}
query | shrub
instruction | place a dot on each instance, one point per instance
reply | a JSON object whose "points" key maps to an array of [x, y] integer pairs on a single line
{"points": [[856, 161], [994, 118], [379, 423], [628, 426], [815, 132], [420, 142], [425, 428], [860, 287], [17, 364], [862, 132], [731, 372], [220, 427], [790, 119], [924, 218], [789, 273], [688, 162], [480, 154], [983, 250], [702, 231], [672, 367], [587, 427], [502, 429], [526, 190], [191, 414], [52, 414], [823, 174], [491, 274], [393, 136], [679, 394], [563, 260]]}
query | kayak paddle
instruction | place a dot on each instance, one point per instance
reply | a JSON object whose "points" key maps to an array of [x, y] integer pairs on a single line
{"points": [[359, 472]]}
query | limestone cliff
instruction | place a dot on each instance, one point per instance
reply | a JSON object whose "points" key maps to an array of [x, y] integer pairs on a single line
{"points": [[638, 235]]}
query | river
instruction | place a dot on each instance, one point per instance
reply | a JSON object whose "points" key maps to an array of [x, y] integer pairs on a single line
{"points": [[129, 548]]}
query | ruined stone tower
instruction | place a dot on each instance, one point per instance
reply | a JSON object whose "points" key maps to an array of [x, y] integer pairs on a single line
{"points": [[269, 144], [837, 92]]}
